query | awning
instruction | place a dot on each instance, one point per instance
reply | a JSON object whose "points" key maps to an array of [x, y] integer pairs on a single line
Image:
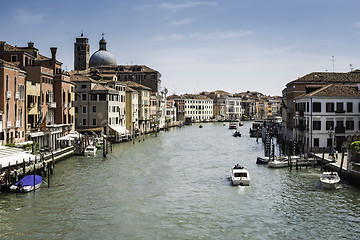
{"points": [[65, 138], [36, 134], [119, 129]]}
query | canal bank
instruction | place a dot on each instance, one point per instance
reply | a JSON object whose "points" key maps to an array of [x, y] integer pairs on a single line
{"points": [[175, 186]]}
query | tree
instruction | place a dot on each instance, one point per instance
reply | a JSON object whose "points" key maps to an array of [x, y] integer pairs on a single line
{"points": [[356, 147]]}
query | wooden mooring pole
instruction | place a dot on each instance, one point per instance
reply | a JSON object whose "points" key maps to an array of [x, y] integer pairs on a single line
{"points": [[342, 161], [322, 160]]}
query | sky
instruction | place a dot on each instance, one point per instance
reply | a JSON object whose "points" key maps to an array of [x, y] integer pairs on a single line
{"points": [[230, 45]]}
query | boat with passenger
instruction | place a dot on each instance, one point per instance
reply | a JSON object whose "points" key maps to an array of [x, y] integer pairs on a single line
{"points": [[240, 175], [329, 180], [237, 134]]}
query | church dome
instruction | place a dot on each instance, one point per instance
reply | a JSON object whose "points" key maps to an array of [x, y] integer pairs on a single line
{"points": [[102, 57]]}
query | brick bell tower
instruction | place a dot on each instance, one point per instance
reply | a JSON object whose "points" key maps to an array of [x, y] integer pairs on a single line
{"points": [[81, 53]]}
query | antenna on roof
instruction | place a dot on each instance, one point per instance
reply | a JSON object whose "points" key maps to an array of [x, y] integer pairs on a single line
{"points": [[333, 63]]}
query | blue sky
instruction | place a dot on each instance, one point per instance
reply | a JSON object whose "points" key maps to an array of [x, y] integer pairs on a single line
{"points": [[232, 45]]}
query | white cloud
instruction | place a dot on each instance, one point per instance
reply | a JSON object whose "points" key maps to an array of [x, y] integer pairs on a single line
{"points": [[23, 16], [179, 6], [181, 22]]}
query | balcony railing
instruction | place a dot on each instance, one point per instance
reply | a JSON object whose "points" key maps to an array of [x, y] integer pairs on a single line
{"points": [[52, 104], [8, 124], [17, 95], [8, 94], [17, 123], [65, 105], [340, 111]]}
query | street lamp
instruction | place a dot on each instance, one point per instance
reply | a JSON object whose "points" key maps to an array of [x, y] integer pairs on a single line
{"points": [[331, 132]]}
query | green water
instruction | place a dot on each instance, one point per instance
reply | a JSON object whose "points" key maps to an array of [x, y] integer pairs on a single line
{"points": [[175, 186]]}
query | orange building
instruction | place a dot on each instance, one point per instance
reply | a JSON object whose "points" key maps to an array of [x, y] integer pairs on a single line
{"points": [[12, 102]]}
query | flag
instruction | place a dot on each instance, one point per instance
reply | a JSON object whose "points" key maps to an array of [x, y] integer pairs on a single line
{"points": [[43, 124]]}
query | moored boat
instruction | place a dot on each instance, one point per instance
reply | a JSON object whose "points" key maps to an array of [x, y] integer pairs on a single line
{"points": [[90, 150], [240, 175], [329, 180], [27, 184]]}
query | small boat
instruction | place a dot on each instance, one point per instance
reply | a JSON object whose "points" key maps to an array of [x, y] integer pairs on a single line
{"points": [[263, 160], [27, 184], [200, 126], [90, 150], [329, 180], [233, 125], [237, 134], [241, 124], [240, 176]]}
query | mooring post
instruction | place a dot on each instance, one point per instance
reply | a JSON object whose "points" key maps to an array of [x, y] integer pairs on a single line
{"points": [[34, 175], [342, 160], [322, 159], [48, 170], [24, 167]]}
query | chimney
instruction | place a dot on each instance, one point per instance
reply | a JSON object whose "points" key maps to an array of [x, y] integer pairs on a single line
{"points": [[53, 53], [2, 45], [30, 45]]}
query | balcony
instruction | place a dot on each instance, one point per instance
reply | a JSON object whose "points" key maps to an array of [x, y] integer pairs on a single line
{"points": [[339, 129], [69, 104], [17, 123], [340, 111], [8, 124], [65, 104], [17, 95], [51, 104], [8, 94]]}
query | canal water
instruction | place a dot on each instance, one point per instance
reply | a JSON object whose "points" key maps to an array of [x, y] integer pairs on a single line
{"points": [[176, 186]]}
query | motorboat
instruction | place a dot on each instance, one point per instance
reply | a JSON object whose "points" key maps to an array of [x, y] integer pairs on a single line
{"points": [[329, 180], [240, 176], [233, 125], [200, 126], [263, 160], [237, 134], [283, 162], [90, 150], [27, 184]]}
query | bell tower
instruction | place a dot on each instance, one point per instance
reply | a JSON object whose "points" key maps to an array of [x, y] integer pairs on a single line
{"points": [[81, 53]]}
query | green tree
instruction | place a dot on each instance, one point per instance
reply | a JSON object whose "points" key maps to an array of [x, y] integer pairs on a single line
{"points": [[356, 147]]}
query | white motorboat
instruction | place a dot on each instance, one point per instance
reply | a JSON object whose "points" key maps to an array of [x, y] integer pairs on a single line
{"points": [[283, 162], [27, 184], [233, 125], [329, 180], [240, 176], [90, 150]]}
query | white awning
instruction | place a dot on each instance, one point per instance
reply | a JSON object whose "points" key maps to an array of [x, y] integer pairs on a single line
{"points": [[36, 134], [119, 129]]}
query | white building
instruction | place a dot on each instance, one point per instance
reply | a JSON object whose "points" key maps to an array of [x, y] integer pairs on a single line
{"points": [[198, 107], [325, 117], [233, 107]]}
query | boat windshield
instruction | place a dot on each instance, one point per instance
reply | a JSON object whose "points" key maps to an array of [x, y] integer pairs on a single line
{"points": [[240, 175]]}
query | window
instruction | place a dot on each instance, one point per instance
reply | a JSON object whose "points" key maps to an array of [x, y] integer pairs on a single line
{"points": [[94, 109], [84, 97], [76, 109], [329, 125], [84, 122], [330, 107], [349, 107], [349, 125], [340, 124], [83, 86], [339, 107], [94, 122], [84, 109], [14, 58], [7, 82], [316, 107], [93, 97], [316, 142], [102, 97], [316, 125]]}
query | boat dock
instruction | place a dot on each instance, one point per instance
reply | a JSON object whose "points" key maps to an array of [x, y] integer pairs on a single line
{"points": [[16, 163]]}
